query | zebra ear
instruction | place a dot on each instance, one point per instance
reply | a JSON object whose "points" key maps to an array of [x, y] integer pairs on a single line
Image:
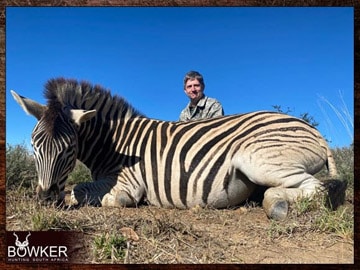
{"points": [[80, 116], [29, 106]]}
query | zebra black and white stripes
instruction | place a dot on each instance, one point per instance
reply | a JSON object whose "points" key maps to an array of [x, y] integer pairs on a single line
{"points": [[215, 162]]}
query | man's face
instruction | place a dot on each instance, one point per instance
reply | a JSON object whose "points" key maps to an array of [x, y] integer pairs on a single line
{"points": [[194, 90]]}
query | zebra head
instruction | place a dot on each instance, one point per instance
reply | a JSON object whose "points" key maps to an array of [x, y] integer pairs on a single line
{"points": [[55, 144]]}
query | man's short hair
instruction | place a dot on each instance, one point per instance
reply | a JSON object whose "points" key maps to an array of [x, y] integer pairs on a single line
{"points": [[191, 75]]}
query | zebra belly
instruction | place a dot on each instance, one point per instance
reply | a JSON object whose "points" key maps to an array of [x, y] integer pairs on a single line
{"points": [[227, 191], [232, 191]]}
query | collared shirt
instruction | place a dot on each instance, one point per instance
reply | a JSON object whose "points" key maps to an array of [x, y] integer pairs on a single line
{"points": [[205, 108]]}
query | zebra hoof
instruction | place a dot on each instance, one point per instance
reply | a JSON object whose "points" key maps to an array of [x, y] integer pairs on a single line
{"points": [[278, 211], [77, 197]]}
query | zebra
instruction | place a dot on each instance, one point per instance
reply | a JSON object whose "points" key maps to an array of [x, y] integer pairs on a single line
{"points": [[214, 162]]}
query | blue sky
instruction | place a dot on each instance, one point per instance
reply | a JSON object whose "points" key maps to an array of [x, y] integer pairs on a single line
{"points": [[251, 59]]}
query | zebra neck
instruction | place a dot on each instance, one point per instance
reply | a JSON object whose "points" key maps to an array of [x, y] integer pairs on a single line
{"points": [[107, 147]]}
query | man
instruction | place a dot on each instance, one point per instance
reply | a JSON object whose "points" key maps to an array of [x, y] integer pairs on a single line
{"points": [[200, 106]]}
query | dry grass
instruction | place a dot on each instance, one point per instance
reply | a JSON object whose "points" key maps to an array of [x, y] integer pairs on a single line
{"points": [[242, 235]]}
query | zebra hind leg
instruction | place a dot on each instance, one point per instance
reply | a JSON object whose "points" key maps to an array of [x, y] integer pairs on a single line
{"points": [[276, 200], [275, 203]]}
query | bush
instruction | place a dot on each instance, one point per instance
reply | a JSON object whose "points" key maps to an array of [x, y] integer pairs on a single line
{"points": [[344, 158], [20, 167]]}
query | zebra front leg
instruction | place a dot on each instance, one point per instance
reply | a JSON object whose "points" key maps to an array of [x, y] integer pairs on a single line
{"points": [[91, 193], [84, 194], [123, 194]]}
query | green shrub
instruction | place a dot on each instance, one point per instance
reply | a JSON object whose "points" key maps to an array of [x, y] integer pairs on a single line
{"points": [[80, 174]]}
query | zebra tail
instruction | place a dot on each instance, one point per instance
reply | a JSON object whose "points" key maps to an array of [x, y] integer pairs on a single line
{"points": [[331, 166], [335, 188]]}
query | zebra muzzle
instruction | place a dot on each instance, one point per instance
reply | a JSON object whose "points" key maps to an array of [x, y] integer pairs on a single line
{"points": [[49, 196]]}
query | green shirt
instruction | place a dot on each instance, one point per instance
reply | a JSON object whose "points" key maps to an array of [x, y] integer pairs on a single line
{"points": [[206, 108]]}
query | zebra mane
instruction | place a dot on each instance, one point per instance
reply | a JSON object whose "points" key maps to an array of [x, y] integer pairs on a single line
{"points": [[70, 93]]}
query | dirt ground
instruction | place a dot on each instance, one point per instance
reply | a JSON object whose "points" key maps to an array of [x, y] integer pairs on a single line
{"points": [[227, 236]]}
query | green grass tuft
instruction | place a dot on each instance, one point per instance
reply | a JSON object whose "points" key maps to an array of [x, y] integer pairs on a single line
{"points": [[110, 247]]}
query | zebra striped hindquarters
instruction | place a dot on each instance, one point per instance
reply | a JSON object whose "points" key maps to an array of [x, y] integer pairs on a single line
{"points": [[214, 162]]}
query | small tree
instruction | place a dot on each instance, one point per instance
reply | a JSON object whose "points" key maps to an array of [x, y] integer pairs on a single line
{"points": [[280, 110], [308, 118], [304, 116]]}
